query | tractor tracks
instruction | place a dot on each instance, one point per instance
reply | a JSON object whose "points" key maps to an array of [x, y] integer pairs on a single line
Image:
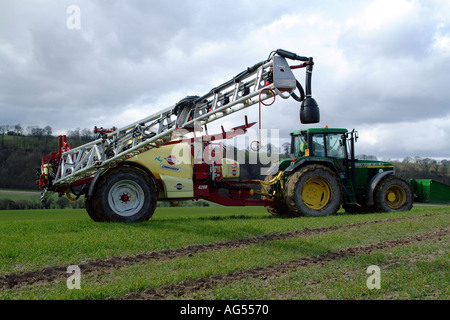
{"points": [[191, 286], [58, 273]]}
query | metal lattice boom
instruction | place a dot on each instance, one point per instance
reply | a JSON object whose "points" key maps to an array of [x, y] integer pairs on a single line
{"points": [[258, 83]]}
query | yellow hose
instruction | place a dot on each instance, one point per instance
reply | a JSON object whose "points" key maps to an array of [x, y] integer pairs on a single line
{"points": [[69, 196]]}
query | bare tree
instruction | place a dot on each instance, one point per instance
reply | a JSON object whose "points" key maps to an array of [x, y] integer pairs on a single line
{"points": [[86, 134], [407, 160], [48, 131], [74, 134], [286, 148], [427, 162], [18, 129]]}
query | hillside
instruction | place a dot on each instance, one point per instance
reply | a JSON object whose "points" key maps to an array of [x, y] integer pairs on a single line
{"points": [[20, 156]]}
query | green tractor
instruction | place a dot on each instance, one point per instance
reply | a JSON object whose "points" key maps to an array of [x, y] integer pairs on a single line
{"points": [[323, 174]]}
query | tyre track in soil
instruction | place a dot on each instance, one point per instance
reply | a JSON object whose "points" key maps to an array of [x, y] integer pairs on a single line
{"points": [[191, 286], [54, 273]]}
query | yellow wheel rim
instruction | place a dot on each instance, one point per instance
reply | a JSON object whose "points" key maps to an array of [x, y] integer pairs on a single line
{"points": [[316, 193], [395, 197]]}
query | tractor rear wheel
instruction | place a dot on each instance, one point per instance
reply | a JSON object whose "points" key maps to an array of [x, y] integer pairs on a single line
{"points": [[313, 191], [277, 210], [125, 194], [393, 194]]}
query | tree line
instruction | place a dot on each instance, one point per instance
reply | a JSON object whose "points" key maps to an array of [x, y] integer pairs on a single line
{"points": [[47, 131], [21, 150], [50, 203]]}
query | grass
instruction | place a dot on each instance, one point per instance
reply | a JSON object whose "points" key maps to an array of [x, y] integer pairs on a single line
{"points": [[410, 272], [30, 240]]}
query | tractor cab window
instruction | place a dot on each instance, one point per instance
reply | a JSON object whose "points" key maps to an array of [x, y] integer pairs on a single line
{"points": [[335, 146], [299, 144], [328, 145], [318, 145]]}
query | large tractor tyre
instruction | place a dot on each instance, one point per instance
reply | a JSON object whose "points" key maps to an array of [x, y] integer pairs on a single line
{"points": [[125, 194], [277, 210], [313, 191], [89, 204], [393, 194]]}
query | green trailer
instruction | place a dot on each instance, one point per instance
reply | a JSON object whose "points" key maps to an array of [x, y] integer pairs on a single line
{"points": [[430, 191]]}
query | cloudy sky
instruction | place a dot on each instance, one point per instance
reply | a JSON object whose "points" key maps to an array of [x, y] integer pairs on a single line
{"points": [[381, 66]]}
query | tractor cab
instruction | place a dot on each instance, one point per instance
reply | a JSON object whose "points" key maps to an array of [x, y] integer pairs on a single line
{"points": [[320, 144], [329, 143]]}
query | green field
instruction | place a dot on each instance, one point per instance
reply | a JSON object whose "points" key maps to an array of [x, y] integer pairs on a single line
{"points": [[20, 194], [226, 253]]}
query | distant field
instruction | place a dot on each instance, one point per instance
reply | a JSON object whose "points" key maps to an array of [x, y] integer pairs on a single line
{"points": [[225, 253], [28, 199], [20, 194]]}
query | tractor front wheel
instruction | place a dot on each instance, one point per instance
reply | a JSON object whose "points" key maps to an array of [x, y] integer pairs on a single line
{"points": [[313, 191], [393, 194], [276, 210], [124, 194]]}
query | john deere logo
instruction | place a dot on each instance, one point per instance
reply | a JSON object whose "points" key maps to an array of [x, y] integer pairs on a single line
{"points": [[171, 160]]}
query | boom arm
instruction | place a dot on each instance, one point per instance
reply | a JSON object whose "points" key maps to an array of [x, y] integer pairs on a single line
{"points": [[257, 83]]}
